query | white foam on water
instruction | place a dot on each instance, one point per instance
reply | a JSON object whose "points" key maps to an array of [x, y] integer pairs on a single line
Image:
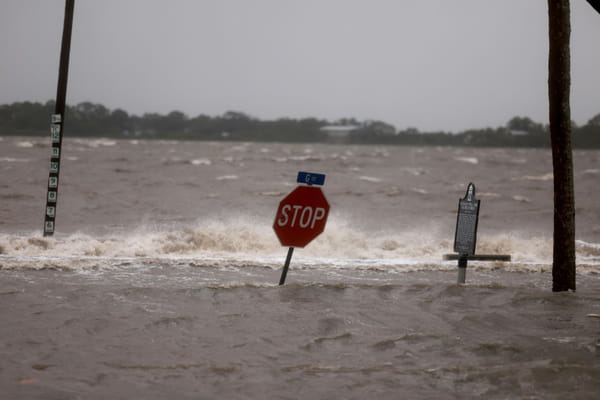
{"points": [[95, 143], [544, 177], [201, 161], [419, 191], [248, 241], [468, 160], [521, 199], [370, 179], [13, 159], [25, 144], [227, 178], [489, 195]]}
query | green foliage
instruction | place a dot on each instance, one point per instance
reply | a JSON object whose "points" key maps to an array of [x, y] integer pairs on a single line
{"points": [[91, 120], [25, 118]]}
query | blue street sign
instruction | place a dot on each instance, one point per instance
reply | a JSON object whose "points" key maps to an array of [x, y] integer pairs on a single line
{"points": [[311, 178]]}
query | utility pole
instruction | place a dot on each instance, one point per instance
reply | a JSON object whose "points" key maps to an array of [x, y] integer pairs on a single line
{"points": [[559, 83], [58, 120]]}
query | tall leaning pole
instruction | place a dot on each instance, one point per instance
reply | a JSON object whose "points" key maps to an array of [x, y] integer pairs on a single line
{"points": [[58, 120], [559, 83]]}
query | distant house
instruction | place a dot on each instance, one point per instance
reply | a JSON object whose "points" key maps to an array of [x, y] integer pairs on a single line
{"points": [[339, 131], [518, 132]]}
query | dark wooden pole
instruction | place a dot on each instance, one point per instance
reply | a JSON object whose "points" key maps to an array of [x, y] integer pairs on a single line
{"points": [[65, 51], [559, 82], [58, 120]]}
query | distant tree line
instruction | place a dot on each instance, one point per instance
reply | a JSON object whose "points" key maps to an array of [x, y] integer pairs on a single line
{"points": [[93, 120]]}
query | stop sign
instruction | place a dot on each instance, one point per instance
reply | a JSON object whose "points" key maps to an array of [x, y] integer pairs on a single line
{"points": [[301, 216]]}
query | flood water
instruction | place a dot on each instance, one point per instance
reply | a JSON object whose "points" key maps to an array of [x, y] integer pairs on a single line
{"points": [[162, 278]]}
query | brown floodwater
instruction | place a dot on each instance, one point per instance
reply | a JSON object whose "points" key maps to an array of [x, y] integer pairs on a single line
{"points": [[161, 279]]}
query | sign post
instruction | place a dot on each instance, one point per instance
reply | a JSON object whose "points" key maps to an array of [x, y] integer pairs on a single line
{"points": [[301, 216], [57, 121], [465, 236], [286, 266]]}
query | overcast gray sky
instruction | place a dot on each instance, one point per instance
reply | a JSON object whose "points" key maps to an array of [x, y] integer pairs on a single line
{"points": [[429, 64]]}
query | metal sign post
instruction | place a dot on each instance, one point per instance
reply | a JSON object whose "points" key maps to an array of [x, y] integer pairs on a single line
{"points": [[286, 266], [57, 121], [465, 236]]}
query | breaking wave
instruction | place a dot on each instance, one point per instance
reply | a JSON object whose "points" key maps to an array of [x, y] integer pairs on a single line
{"points": [[245, 241]]}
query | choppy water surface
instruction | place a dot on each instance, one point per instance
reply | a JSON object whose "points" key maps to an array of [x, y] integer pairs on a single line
{"points": [[161, 281]]}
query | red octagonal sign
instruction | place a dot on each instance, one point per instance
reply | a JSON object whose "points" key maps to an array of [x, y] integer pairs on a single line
{"points": [[301, 216]]}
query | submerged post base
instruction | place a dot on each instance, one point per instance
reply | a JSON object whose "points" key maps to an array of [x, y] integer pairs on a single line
{"points": [[462, 268]]}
